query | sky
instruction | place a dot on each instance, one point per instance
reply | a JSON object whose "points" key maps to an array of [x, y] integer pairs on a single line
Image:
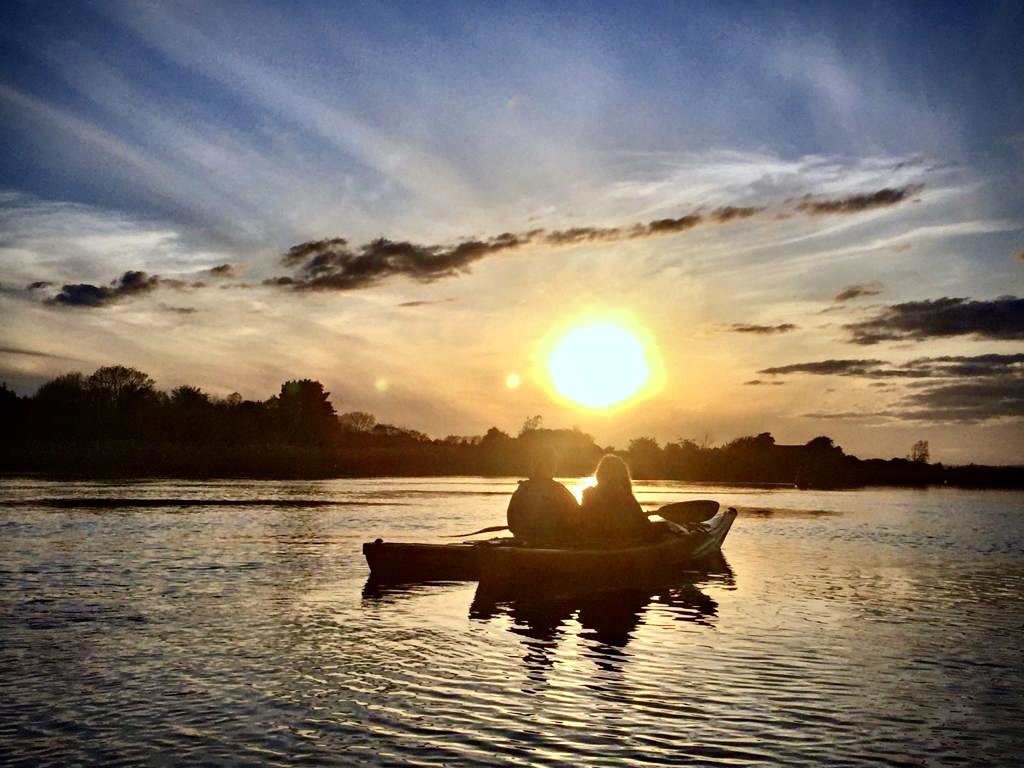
{"points": [[812, 212]]}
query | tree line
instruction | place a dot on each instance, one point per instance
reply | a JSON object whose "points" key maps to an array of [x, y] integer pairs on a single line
{"points": [[115, 422]]}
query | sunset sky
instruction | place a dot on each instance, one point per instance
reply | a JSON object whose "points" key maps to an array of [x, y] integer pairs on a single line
{"points": [[814, 212]]}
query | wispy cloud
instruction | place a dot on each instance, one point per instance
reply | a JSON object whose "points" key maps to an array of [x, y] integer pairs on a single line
{"points": [[333, 264], [33, 353], [922, 367], [763, 330], [827, 368], [857, 290], [883, 198]]}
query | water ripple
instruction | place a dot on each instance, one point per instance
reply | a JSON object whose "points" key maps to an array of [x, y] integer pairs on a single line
{"points": [[868, 628]]}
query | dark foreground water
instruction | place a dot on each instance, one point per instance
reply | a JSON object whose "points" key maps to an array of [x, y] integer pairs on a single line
{"points": [[878, 627]]}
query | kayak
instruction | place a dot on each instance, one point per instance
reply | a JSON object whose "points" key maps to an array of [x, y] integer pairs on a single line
{"points": [[507, 559], [639, 564]]}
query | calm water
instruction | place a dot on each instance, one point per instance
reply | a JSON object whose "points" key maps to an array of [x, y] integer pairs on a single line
{"points": [[868, 627]]}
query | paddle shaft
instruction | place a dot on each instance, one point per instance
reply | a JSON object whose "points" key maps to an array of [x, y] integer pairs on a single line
{"points": [[680, 512]]}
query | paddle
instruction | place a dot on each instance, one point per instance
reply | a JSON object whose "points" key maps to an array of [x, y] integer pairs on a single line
{"points": [[680, 512]]}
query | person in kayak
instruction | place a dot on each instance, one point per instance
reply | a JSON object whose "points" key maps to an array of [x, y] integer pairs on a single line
{"points": [[610, 515], [543, 512]]}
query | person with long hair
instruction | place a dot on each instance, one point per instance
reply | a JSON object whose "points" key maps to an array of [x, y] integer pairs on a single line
{"points": [[610, 515]]}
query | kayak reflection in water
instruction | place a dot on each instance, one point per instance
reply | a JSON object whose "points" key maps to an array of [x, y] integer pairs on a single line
{"points": [[543, 512], [610, 515]]}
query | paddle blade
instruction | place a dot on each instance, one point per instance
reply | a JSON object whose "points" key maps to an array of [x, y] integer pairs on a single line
{"points": [[683, 512], [491, 529]]}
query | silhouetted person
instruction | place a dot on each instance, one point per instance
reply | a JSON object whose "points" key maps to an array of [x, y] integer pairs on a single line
{"points": [[610, 515], [542, 511]]}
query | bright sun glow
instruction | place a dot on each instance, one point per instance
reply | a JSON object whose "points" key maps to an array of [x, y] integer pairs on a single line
{"points": [[599, 365]]}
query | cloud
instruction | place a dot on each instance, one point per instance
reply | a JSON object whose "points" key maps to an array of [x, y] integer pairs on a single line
{"points": [[179, 310], [670, 226], [409, 304], [730, 213], [760, 382], [949, 388], [857, 290], [131, 283], [336, 264], [827, 368], [968, 401], [1001, 318], [883, 198], [38, 285], [33, 353], [920, 368], [222, 270], [762, 329]]}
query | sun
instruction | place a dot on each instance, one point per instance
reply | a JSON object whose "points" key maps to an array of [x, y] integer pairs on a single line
{"points": [[599, 365]]}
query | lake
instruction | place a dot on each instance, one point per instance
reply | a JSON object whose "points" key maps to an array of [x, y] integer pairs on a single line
{"points": [[868, 627]]}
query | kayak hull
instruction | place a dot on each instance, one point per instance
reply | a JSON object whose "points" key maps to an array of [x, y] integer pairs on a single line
{"points": [[391, 561], [503, 561], [642, 564]]}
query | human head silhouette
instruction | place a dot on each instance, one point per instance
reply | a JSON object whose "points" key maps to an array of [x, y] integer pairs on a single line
{"points": [[612, 472], [543, 465]]}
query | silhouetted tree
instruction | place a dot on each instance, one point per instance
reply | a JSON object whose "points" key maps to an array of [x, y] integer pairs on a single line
{"points": [[305, 411], [357, 421], [115, 422], [191, 415], [119, 384], [919, 452], [11, 414], [646, 460], [531, 424]]}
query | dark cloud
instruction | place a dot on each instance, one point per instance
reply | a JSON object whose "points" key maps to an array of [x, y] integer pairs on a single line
{"points": [[336, 264], [38, 285], [970, 367], [670, 226], [949, 389], [760, 382], [857, 290], [827, 368], [280, 282], [883, 198], [1002, 318], [730, 213], [921, 368], [762, 329], [333, 265], [579, 235], [967, 401], [222, 270], [33, 353], [131, 283], [299, 253]]}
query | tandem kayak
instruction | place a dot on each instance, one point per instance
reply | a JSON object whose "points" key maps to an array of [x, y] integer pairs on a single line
{"points": [[506, 560]]}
